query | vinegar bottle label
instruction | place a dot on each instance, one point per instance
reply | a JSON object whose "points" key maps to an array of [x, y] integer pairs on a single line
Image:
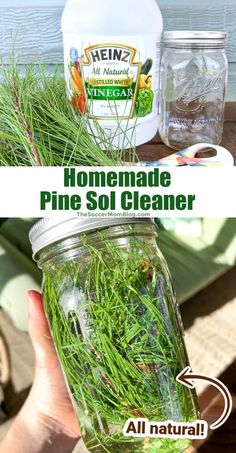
{"points": [[110, 80]]}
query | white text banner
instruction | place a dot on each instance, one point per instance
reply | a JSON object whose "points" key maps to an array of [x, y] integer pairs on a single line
{"points": [[113, 191]]}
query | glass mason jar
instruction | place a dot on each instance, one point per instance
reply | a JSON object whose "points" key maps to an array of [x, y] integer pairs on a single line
{"points": [[116, 327], [193, 87]]}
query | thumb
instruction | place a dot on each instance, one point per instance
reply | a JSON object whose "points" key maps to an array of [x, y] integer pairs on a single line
{"points": [[49, 391], [39, 330]]}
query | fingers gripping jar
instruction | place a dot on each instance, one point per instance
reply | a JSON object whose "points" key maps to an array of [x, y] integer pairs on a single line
{"points": [[116, 327], [193, 87]]}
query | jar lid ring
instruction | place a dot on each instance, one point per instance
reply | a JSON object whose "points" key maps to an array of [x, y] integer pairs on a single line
{"points": [[47, 231], [195, 37]]}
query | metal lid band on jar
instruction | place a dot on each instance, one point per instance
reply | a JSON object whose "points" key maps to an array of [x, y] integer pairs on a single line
{"points": [[185, 38], [47, 231]]}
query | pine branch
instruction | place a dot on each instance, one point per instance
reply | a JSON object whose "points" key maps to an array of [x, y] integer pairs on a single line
{"points": [[27, 131], [38, 125]]}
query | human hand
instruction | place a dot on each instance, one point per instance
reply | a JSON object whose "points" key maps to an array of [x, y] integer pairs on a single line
{"points": [[47, 421], [49, 393]]}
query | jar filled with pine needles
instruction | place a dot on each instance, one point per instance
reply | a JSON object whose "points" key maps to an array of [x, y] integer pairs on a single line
{"points": [[116, 327]]}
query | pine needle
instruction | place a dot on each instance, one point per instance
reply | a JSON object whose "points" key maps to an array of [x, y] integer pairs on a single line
{"points": [[114, 327], [39, 127]]}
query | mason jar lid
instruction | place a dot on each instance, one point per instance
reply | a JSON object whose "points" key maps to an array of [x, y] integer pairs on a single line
{"points": [[182, 38], [50, 230]]}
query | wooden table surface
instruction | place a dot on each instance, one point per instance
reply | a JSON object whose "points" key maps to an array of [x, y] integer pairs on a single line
{"points": [[155, 149], [222, 440]]}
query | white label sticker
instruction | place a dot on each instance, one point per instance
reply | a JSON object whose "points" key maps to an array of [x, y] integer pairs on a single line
{"points": [[109, 80]]}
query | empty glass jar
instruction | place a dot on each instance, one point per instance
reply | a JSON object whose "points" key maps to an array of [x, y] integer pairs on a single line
{"points": [[193, 86], [116, 327]]}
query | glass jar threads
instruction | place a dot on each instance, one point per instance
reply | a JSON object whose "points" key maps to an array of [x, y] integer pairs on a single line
{"points": [[116, 327], [193, 86]]}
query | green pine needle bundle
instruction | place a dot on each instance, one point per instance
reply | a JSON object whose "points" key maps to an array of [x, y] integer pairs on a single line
{"points": [[114, 327], [38, 126]]}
